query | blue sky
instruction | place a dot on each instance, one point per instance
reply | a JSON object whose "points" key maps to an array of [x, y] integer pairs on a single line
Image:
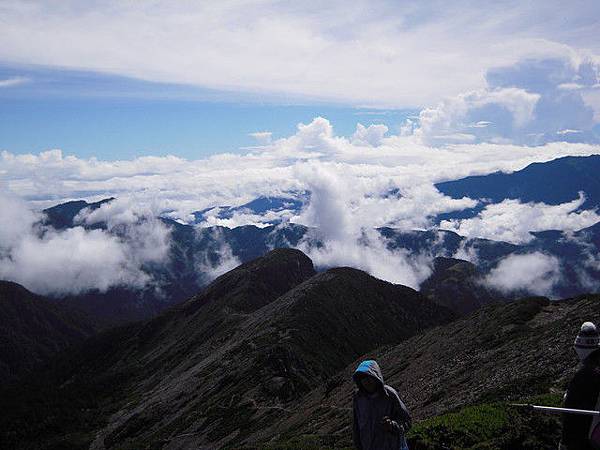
{"points": [[113, 117], [119, 80]]}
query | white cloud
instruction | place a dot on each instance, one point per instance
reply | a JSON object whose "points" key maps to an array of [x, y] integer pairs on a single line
{"points": [[76, 260], [179, 187], [511, 220], [590, 260], [347, 234], [530, 102], [444, 123], [374, 53], [570, 86], [71, 262], [370, 136], [227, 179], [217, 259], [16, 221], [354, 188], [262, 137], [13, 81], [147, 238], [535, 273], [240, 218], [467, 252], [481, 124]]}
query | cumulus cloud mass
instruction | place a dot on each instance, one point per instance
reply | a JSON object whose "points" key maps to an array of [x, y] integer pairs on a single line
{"points": [[531, 102], [535, 273], [512, 221], [75, 260], [348, 238]]}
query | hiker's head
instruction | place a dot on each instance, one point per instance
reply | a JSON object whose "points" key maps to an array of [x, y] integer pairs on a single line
{"points": [[369, 384], [368, 376], [587, 340]]}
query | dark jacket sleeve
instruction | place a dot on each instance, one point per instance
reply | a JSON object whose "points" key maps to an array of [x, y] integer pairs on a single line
{"points": [[355, 427], [581, 394], [400, 413]]}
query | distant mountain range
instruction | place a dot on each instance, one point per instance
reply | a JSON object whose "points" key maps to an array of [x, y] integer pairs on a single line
{"points": [[554, 182], [198, 254], [265, 353], [180, 277], [259, 206]]}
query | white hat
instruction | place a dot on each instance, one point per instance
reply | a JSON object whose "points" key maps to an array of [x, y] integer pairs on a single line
{"points": [[587, 341]]}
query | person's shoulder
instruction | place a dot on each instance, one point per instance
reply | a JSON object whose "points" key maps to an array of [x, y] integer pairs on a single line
{"points": [[585, 374], [391, 391]]}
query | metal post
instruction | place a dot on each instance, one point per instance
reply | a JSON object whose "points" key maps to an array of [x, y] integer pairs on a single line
{"points": [[554, 410]]}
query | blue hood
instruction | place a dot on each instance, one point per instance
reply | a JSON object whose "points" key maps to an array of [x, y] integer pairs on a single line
{"points": [[371, 368]]}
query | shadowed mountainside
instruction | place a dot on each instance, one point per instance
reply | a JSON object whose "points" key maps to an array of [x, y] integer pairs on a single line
{"points": [[221, 367], [570, 175], [457, 285], [33, 329]]}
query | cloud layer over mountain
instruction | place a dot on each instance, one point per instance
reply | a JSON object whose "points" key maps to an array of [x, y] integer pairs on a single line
{"points": [[177, 187], [499, 89], [512, 220], [75, 260], [356, 183], [535, 273]]}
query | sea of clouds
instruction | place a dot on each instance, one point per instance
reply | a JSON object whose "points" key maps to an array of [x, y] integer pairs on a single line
{"points": [[506, 125]]}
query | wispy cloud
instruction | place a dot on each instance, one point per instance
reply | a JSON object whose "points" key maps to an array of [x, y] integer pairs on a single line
{"points": [[262, 137], [364, 52], [14, 81]]}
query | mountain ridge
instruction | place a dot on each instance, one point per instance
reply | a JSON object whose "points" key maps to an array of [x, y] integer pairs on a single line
{"points": [[34, 329], [570, 175], [222, 371]]}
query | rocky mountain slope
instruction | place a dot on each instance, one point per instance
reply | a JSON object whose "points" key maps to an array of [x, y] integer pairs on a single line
{"points": [[223, 366], [504, 352], [34, 329], [262, 358]]}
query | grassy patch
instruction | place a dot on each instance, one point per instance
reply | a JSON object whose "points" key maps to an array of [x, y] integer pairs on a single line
{"points": [[490, 426]]}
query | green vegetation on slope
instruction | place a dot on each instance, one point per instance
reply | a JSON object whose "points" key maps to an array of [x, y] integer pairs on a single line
{"points": [[485, 426], [490, 426]]}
